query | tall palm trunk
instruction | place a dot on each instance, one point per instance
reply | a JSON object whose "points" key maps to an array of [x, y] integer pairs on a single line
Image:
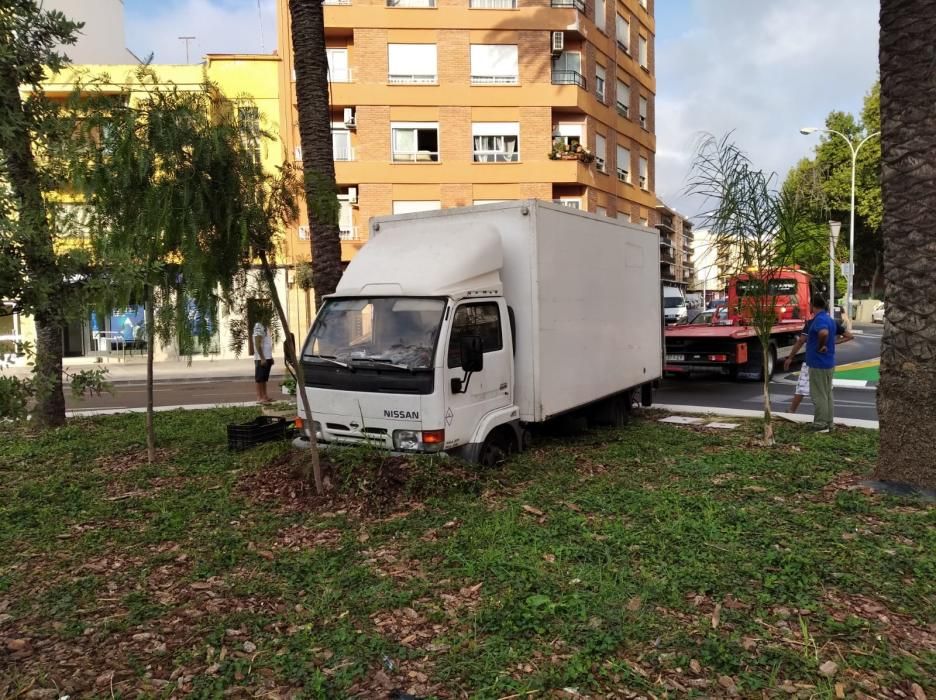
{"points": [[39, 253], [907, 392], [312, 97]]}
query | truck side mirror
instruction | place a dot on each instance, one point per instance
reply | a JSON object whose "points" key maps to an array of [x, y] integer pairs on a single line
{"points": [[471, 349]]}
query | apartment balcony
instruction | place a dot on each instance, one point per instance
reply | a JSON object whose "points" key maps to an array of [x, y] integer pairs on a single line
{"points": [[336, 2], [348, 234], [576, 4], [569, 77], [666, 256], [419, 4], [412, 79], [423, 167], [667, 272]]}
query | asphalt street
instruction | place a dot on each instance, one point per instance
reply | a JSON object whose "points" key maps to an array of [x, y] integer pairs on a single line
{"points": [[693, 391]]}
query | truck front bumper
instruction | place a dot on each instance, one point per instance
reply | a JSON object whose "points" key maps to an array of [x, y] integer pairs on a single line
{"points": [[302, 443]]}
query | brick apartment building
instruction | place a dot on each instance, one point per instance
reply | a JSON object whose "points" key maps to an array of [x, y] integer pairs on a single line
{"points": [[443, 103], [676, 248]]}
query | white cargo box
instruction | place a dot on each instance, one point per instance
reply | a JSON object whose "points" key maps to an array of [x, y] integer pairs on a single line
{"points": [[584, 289]]}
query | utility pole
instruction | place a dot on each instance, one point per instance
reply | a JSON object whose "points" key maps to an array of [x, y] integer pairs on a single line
{"points": [[187, 39]]}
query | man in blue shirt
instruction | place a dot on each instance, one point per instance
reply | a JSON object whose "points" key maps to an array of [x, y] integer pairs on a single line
{"points": [[820, 358]]}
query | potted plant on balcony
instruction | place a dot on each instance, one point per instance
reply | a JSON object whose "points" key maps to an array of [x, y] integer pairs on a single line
{"points": [[563, 151]]}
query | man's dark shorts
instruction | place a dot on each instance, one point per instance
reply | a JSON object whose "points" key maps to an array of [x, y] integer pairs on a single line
{"points": [[262, 371]]}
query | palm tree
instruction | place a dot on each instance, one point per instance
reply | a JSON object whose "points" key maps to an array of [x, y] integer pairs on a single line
{"points": [[312, 97], [907, 392]]}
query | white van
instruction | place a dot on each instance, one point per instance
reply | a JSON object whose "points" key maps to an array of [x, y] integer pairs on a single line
{"points": [[674, 306]]}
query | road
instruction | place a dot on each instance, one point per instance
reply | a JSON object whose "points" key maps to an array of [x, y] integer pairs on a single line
{"points": [[695, 391], [722, 393]]}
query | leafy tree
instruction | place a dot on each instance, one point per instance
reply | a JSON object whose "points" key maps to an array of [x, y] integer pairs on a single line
{"points": [[907, 392], [312, 99], [763, 227], [159, 175], [827, 178], [34, 273]]}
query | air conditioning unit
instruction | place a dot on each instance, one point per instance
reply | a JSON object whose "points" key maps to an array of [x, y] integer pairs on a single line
{"points": [[349, 120], [558, 43], [297, 154], [303, 233], [352, 195]]}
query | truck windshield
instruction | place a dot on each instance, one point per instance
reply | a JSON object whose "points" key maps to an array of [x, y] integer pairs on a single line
{"points": [[385, 331], [673, 302]]}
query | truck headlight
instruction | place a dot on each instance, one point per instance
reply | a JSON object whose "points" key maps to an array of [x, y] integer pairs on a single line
{"points": [[419, 441], [406, 440]]}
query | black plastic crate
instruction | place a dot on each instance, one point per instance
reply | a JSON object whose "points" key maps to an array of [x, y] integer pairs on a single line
{"points": [[243, 436]]}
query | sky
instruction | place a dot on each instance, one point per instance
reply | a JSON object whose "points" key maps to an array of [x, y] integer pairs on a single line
{"points": [[760, 69]]}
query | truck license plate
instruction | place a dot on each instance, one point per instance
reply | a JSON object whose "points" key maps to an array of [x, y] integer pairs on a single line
{"points": [[675, 358]]}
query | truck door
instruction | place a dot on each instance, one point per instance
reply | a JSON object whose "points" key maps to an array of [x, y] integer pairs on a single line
{"points": [[487, 390]]}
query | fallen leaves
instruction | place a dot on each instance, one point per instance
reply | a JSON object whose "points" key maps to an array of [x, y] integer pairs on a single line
{"points": [[533, 511], [716, 616], [633, 605]]}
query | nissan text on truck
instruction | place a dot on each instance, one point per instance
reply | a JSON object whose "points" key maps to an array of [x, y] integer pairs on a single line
{"points": [[451, 330], [730, 345]]}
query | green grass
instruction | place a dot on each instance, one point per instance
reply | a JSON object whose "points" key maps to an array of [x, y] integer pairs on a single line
{"points": [[652, 559]]}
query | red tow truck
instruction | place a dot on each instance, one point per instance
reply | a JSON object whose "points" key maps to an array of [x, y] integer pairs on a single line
{"points": [[729, 345]]}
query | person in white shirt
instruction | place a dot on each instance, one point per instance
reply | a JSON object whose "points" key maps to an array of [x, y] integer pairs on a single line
{"points": [[263, 360]]}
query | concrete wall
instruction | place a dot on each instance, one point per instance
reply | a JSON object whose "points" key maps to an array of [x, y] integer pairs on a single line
{"points": [[102, 39]]}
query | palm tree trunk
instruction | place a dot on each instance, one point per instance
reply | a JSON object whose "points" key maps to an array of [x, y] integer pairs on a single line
{"points": [[312, 97], [907, 392]]}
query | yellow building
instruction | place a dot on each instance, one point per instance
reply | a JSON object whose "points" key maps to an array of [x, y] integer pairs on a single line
{"points": [[443, 103], [251, 82]]}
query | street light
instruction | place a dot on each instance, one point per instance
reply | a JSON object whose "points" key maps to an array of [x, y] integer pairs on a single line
{"points": [[834, 228], [806, 131]]}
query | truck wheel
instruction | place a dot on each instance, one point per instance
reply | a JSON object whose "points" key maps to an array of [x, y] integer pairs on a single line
{"points": [[611, 412], [646, 395], [497, 447]]}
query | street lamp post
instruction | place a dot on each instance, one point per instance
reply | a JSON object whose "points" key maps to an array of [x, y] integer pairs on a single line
{"points": [[834, 228], [806, 130]]}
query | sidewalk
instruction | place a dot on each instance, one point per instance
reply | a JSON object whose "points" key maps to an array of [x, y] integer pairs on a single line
{"points": [[133, 369]]}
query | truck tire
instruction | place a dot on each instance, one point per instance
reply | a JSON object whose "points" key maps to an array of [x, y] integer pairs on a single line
{"points": [[612, 412], [497, 447], [646, 395]]}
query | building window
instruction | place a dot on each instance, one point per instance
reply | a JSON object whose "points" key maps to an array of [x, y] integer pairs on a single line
{"points": [[572, 203], [412, 3], [644, 221], [496, 142], [341, 144], [409, 206], [493, 4], [601, 10], [567, 69], [601, 211], [248, 121], [623, 164], [642, 51], [568, 135], [623, 98], [347, 231], [623, 34], [643, 112], [479, 202], [338, 71], [577, 4], [415, 142], [494, 64], [644, 176], [600, 82], [412, 64], [601, 153], [643, 4]]}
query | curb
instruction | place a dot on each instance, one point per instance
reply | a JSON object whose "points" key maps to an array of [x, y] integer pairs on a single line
{"points": [[78, 413], [141, 381], [749, 413]]}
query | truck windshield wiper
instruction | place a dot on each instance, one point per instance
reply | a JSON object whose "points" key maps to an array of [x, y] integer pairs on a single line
{"points": [[331, 358], [382, 361]]}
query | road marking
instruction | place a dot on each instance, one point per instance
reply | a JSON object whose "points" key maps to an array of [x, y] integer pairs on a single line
{"points": [[748, 413]]}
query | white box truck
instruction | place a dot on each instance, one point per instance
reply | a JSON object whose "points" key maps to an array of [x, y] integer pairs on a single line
{"points": [[450, 330]]}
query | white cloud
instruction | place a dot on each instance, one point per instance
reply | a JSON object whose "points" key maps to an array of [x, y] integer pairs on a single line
{"points": [[763, 70], [217, 28]]}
